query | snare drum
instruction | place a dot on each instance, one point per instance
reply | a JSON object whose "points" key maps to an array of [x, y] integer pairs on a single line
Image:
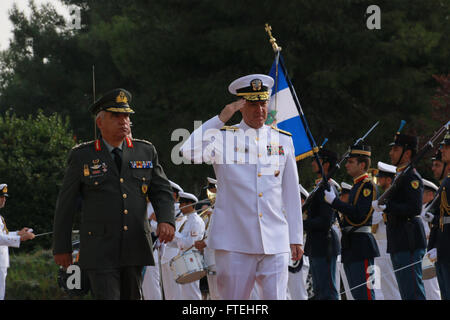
{"points": [[428, 268], [188, 267]]}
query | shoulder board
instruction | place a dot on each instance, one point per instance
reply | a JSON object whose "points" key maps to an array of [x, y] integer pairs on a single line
{"points": [[281, 131], [229, 128], [82, 145], [143, 141]]}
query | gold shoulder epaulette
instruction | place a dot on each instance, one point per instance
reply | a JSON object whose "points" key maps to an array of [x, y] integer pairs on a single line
{"points": [[144, 141], [229, 128], [81, 145], [281, 131]]}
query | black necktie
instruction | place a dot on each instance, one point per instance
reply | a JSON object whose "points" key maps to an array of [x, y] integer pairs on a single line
{"points": [[117, 158]]}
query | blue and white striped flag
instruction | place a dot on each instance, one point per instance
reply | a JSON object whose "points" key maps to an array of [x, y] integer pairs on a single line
{"points": [[284, 114]]}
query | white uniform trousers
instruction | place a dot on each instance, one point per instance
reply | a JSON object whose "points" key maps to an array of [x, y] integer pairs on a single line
{"points": [[388, 283], [3, 272], [190, 291], [151, 287], [237, 273], [432, 291], [212, 287], [172, 289], [297, 282]]}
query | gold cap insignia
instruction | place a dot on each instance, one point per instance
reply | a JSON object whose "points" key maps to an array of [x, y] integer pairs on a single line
{"points": [[256, 84], [121, 98], [5, 190]]}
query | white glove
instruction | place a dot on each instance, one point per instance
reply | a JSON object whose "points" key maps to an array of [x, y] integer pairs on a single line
{"points": [[377, 216], [329, 196], [378, 207], [432, 254], [427, 216]]}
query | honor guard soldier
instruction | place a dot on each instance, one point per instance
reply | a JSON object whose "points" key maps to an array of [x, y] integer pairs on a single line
{"points": [[358, 245], [440, 168], [439, 244], [113, 175], [405, 233], [192, 230], [8, 239], [257, 177], [322, 244], [388, 284]]}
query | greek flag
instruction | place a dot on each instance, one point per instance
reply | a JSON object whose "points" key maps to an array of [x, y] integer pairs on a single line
{"points": [[284, 114]]}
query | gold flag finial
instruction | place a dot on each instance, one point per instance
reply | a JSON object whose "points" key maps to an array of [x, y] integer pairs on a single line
{"points": [[272, 40]]}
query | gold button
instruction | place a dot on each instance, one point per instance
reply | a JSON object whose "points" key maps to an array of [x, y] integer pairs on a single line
{"points": [[260, 194], [121, 180], [96, 182], [259, 155], [124, 195], [260, 215], [257, 138], [125, 228], [89, 233], [259, 174], [143, 178], [125, 211]]}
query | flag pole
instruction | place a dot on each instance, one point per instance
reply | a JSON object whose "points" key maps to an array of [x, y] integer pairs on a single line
{"points": [[279, 60]]}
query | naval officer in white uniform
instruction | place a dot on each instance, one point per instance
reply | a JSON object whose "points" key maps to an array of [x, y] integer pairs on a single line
{"points": [[8, 239], [256, 176]]}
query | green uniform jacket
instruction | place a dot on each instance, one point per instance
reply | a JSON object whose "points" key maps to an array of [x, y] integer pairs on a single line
{"points": [[114, 229]]}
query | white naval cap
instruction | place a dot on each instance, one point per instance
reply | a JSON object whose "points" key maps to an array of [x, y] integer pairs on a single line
{"points": [[386, 168], [175, 186], [189, 196], [429, 184], [346, 186], [211, 180], [3, 190], [303, 191], [254, 87]]}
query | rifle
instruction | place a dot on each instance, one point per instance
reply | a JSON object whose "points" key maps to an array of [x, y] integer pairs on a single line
{"points": [[324, 182], [384, 198]]}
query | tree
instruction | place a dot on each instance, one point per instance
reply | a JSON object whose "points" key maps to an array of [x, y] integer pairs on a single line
{"points": [[33, 153]]}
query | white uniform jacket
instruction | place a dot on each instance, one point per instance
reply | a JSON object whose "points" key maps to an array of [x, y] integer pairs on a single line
{"points": [[193, 230], [170, 249], [256, 176], [10, 239]]}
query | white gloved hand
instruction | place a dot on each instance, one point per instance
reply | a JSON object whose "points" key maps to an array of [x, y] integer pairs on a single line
{"points": [[378, 207], [377, 216], [329, 196], [427, 216], [432, 254]]}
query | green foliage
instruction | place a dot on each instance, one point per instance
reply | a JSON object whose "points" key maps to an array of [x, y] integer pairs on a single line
{"points": [[33, 276], [178, 57], [33, 155]]}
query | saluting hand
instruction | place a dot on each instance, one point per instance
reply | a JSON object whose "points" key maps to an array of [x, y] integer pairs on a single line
{"points": [[231, 109], [165, 232]]}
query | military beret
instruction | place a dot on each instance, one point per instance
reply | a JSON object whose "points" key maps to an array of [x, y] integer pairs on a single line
{"points": [[254, 87], [115, 100], [187, 197], [3, 190]]}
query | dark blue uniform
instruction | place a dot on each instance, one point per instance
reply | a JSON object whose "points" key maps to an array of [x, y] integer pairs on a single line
{"points": [[440, 239], [322, 247], [406, 241], [359, 247]]}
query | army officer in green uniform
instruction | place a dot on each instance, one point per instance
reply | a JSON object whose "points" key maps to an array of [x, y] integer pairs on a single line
{"points": [[114, 176]]}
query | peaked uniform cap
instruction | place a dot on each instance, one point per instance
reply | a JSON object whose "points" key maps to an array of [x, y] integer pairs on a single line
{"points": [[3, 190], [175, 187], [254, 87], [446, 140], [429, 185], [356, 151], [116, 100], [386, 170], [406, 141], [187, 196]]}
